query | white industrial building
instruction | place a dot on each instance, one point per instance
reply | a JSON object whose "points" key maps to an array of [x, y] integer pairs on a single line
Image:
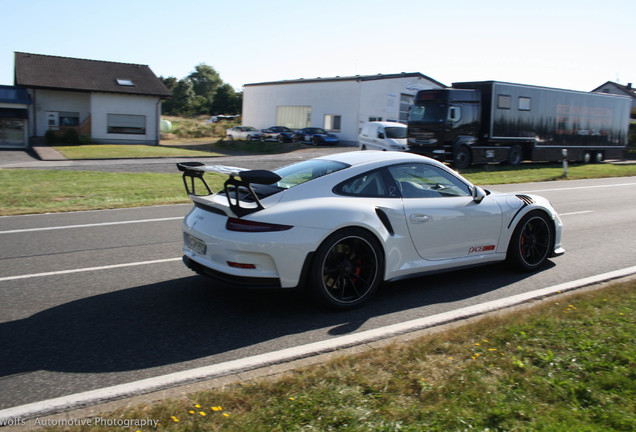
{"points": [[340, 105]]}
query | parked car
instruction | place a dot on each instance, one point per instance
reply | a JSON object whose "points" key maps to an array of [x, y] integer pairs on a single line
{"points": [[277, 133], [316, 136], [383, 136], [345, 223], [243, 132]]}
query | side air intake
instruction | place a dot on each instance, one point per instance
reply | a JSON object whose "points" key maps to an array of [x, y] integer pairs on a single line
{"points": [[526, 199]]}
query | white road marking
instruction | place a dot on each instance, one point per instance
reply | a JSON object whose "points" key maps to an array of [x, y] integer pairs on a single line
{"points": [[92, 397], [580, 187], [91, 225], [576, 213], [87, 269]]}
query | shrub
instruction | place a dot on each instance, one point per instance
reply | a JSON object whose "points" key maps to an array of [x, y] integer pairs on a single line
{"points": [[50, 137], [71, 137]]}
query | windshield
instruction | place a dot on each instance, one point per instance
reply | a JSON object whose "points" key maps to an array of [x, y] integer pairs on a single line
{"points": [[316, 131], [428, 112], [395, 132]]}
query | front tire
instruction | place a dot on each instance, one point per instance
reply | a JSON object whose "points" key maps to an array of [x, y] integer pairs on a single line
{"points": [[462, 158], [531, 242], [347, 269]]}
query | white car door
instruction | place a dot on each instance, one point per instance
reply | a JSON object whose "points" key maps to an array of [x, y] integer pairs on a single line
{"points": [[443, 219]]}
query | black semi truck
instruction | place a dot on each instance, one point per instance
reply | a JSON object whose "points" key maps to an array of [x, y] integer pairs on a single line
{"points": [[492, 121]]}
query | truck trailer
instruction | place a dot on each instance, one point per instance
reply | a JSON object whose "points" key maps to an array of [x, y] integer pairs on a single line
{"points": [[493, 121]]}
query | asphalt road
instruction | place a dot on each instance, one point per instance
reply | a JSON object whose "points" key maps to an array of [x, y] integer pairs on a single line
{"points": [[94, 299]]}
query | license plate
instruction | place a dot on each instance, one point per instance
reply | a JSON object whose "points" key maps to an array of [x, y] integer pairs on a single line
{"points": [[197, 245]]}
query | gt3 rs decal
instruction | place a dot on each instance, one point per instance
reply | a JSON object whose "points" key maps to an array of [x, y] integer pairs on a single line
{"points": [[478, 249]]}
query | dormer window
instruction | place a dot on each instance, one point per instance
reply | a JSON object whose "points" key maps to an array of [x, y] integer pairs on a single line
{"points": [[125, 82]]}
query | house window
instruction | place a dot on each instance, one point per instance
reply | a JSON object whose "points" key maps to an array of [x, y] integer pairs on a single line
{"points": [[125, 82], [68, 118], [126, 124], [332, 122], [294, 117], [524, 103], [503, 101]]}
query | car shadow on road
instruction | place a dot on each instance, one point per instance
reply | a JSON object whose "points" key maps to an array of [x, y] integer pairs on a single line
{"points": [[184, 320]]}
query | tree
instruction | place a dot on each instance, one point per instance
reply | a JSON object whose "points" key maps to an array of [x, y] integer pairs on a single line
{"points": [[205, 82], [226, 101], [183, 98], [167, 106], [201, 92]]}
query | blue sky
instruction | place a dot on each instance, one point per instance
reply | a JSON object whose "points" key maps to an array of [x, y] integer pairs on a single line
{"points": [[568, 44]]}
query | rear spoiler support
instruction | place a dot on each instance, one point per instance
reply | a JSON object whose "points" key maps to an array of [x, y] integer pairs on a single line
{"points": [[238, 178]]}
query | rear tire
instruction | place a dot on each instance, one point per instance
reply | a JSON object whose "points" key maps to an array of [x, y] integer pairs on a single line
{"points": [[531, 242], [347, 269], [514, 155]]}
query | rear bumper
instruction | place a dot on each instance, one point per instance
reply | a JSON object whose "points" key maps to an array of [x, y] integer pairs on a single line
{"points": [[231, 280]]}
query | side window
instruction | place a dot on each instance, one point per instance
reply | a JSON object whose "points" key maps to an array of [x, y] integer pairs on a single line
{"points": [[427, 181], [503, 101], [454, 113], [371, 184]]}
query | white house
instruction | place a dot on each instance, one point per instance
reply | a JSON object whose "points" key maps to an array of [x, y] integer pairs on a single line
{"points": [[340, 105], [620, 89], [110, 102]]}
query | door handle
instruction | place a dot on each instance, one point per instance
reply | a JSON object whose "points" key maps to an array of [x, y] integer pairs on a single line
{"points": [[419, 218]]}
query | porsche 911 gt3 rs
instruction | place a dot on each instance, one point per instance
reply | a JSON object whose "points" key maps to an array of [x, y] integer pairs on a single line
{"points": [[343, 224]]}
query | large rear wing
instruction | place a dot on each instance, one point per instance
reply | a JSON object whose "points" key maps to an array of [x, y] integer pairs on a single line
{"points": [[238, 178]]}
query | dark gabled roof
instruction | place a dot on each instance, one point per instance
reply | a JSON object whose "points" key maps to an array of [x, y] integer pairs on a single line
{"points": [[627, 89], [350, 78], [64, 73]]}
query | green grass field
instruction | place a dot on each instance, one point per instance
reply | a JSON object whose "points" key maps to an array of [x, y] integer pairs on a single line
{"points": [[41, 191]]}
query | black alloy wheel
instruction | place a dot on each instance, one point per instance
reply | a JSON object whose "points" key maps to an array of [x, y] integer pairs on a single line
{"points": [[531, 241], [347, 269]]}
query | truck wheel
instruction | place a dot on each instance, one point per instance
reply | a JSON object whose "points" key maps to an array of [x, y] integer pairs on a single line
{"points": [[463, 158], [514, 155]]}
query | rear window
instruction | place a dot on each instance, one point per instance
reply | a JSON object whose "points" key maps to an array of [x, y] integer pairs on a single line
{"points": [[302, 172]]}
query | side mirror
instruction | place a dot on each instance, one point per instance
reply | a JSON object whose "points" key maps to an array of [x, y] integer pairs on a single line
{"points": [[478, 194], [381, 135]]}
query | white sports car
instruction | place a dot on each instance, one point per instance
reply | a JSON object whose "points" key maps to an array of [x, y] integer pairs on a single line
{"points": [[343, 224]]}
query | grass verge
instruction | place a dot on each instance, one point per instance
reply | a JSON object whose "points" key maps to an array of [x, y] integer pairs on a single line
{"points": [[112, 151], [42, 191], [567, 364], [201, 147], [502, 174]]}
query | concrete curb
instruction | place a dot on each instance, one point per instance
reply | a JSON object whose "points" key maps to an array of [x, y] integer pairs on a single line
{"points": [[145, 386]]}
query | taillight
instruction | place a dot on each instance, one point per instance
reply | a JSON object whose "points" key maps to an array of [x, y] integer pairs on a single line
{"points": [[235, 224]]}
